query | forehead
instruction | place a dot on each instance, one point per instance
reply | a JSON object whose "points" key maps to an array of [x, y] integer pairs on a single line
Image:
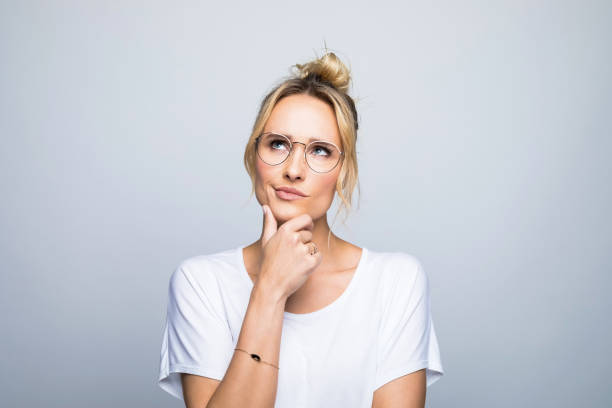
{"points": [[304, 118]]}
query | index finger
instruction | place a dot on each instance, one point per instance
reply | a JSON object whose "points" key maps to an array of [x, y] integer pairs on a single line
{"points": [[303, 221]]}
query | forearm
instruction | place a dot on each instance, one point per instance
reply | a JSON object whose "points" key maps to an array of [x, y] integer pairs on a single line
{"points": [[249, 383]]}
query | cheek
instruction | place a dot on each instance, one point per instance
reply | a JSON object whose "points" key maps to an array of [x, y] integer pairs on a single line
{"points": [[261, 171], [327, 184], [263, 175]]}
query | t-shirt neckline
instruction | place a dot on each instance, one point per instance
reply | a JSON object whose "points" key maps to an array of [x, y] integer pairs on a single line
{"points": [[239, 257]]}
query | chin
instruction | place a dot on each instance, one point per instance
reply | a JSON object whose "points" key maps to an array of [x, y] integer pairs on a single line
{"points": [[285, 211]]}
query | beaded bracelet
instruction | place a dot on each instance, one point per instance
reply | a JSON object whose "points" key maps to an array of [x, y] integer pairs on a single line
{"points": [[257, 358]]}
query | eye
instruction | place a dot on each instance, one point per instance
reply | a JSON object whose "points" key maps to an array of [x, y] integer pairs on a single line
{"points": [[275, 142], [324, 151]]}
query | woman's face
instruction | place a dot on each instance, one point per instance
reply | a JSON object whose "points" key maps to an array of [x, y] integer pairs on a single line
{"points": [[299, 117]]}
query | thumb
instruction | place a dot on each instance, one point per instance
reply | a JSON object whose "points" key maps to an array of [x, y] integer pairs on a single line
{"points": [[269, 225]]}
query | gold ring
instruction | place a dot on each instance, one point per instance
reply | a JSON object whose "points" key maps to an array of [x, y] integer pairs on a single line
{"points": [[315, 249]]}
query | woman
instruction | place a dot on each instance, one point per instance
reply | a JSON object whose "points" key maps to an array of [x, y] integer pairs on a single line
{"points": [[301, 317]]}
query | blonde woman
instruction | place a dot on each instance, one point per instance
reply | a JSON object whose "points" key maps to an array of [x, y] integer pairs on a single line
{"points": [[301, 317]]}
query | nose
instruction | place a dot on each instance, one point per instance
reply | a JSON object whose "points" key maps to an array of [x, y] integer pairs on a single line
{"points": [[296, 162]]}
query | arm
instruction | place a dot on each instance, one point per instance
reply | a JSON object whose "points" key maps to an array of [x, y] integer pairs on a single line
{"points": [[247, 383], [407, 391]]}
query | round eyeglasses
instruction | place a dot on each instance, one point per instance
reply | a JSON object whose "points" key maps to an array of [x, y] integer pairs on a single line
{"points": [[274, 148]]}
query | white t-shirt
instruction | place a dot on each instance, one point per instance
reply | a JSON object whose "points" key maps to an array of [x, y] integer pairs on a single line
{"points": [[379, 329]]}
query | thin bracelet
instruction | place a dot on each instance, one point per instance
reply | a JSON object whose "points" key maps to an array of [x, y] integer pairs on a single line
{"points": [[257, 358]]}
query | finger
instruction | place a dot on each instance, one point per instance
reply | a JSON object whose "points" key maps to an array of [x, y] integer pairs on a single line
{"points": [[300, 222], [270, 225], [305, 236]]}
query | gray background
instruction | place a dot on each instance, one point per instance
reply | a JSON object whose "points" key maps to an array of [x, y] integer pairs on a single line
{"points": [[483, 150]]}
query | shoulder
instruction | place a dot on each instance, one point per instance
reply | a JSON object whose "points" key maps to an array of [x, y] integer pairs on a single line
{"points": [[399, 270], [208, 262], [201, 271], [403, 287], [397, 264]]}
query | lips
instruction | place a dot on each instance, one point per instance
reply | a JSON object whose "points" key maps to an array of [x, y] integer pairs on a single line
{"points": [[283, 195], [291, 190], [289, 194]]}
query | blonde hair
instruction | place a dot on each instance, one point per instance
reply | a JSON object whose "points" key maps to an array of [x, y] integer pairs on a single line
{"points": [[326, 78]]}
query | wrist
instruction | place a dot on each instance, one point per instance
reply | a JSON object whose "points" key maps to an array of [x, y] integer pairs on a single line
{"points": [[266, 293]]}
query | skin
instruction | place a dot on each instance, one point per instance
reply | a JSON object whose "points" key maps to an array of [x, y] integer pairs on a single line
{"points": [[302, 117]]}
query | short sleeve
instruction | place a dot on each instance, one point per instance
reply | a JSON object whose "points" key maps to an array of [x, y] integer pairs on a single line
{"points": [[196, 339], [407, 339]]}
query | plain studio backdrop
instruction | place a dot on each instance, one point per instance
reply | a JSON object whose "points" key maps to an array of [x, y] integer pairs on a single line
{"points": [[484, 150]]}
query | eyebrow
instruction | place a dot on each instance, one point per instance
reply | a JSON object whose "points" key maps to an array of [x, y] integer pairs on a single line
{"points": [[309, 140]]}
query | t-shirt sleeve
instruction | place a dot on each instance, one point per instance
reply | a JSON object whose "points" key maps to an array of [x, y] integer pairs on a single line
{"points": [[407, 339], [197, 339]]}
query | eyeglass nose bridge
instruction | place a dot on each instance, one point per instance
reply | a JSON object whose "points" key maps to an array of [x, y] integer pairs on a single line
{"points": [[292, 149]]}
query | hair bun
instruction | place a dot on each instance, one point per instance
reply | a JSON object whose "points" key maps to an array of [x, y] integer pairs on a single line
{"points": [[326, 68]]}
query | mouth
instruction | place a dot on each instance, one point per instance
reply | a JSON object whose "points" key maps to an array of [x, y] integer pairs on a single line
{"points": [[283, 194]]}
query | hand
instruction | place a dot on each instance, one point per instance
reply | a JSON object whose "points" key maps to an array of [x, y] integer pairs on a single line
{"points": [[286, 261]]}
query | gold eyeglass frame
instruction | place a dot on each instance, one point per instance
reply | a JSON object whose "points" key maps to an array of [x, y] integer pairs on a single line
{"points": [[291, 150]]}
